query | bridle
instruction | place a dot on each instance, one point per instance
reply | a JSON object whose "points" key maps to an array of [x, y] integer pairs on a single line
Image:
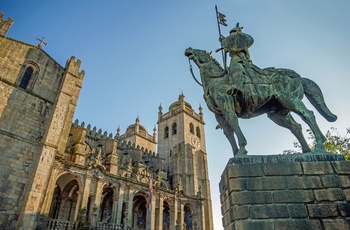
{"points": [[191, 70]]}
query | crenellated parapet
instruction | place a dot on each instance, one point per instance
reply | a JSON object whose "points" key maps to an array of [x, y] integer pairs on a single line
{"points": [[128, 145], [90, 147], [92, 133], [73, 66], [5, 24]]}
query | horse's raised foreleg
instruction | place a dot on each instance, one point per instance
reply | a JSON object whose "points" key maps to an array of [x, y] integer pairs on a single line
{"points": [[225, 104], [228, 131], [287, 121], [297, 106]]}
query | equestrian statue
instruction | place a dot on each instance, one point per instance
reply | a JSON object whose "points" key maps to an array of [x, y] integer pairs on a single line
{"points": [[243, 90]]}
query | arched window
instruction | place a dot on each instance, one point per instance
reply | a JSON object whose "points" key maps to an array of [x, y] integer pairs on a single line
{"points": [[106, 205], [139, 213], [198, 132], [191, 128], [174, 128], [166, 132], [166, 216], [26, 77], [188, 218]]}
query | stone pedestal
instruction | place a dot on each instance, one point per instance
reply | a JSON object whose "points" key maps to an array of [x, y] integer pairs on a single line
{"points": [[300, 191]]}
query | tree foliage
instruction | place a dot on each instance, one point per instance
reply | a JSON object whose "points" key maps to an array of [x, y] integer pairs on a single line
{"points": [[335, 143]]}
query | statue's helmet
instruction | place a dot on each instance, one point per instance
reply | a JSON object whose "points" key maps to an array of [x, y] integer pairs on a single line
{"points": [[237, 40]]}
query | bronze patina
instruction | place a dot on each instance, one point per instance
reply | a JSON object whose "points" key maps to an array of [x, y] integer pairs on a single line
{"points": [[243, 90]]}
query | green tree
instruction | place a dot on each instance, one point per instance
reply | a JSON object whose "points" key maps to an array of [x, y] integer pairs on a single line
{"points": [[335, 143]]}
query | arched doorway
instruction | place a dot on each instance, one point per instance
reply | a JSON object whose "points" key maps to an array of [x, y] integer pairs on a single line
{"points": [[106, 205], [64, 199], [139, 212], [56, 200], [166, 216], [188, 217]]}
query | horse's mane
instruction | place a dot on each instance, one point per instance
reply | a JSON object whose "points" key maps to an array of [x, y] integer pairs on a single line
{"points": [[215, 62]]}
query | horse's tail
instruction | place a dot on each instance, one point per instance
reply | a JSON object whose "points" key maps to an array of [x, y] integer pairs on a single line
{"points": [[314, 95]]}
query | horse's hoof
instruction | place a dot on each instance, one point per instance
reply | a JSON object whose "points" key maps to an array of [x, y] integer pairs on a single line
{"points": [[241, 153], [319, 148]]}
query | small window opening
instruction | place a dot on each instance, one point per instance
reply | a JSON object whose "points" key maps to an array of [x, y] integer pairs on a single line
{"points": [[26, 78], [198, 132], [166, 132], [174, 128], [191, 128]]}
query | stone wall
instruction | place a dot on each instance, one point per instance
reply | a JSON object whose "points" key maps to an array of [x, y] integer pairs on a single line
{"points": [[34, 125], [286, 195], [24, 119]]}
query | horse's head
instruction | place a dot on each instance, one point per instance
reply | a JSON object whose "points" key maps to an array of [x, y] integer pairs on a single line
{"points": [[199, 57], [205, 62]]}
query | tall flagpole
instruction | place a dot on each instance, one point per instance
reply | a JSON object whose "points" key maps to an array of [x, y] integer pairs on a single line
{"points": [[220, 19]]}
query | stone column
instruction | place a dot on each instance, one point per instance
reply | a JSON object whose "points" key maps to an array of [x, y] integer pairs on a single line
{"points": [[86, 192], [160, 216], [150, 222], [181, 216], [201, 217], [97, 202], [130, 204], [173, 214], [120, 205], [78, 205], [115, 207]]}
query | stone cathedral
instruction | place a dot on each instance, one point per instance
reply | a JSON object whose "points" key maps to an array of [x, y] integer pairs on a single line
{"points": [[56, 173]]}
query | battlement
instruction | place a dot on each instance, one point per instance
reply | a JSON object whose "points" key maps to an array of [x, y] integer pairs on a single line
{"points": [[93, 133], [128, 145], [73, 67], [5, 24]]}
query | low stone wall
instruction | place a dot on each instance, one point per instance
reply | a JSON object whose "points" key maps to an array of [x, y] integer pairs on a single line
{"points": [[290, 193]]}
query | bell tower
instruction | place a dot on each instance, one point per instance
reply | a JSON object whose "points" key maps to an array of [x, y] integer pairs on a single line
{"points": [[181, 124], [181, 142]]}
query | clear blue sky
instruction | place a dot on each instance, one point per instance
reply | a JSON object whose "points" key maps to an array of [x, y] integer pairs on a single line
{"points": [[132, 52]]}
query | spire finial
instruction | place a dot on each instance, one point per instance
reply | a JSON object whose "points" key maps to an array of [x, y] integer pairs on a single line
{"points": [[182, 96], [117, 135]]}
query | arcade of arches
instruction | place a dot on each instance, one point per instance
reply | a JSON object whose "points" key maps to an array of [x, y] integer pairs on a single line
{"points": [[119, 204]]}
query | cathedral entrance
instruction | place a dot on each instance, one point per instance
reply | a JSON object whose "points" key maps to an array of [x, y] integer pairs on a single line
{"points": [[107, 205], [139, 212], [65, 197]]}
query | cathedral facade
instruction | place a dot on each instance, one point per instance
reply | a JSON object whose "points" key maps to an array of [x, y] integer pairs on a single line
{"points": [[57, 173]]}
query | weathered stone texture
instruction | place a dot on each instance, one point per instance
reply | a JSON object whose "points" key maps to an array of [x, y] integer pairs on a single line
{"points": [[336, 224], [25, 116], [304, 224], [294, 195]]}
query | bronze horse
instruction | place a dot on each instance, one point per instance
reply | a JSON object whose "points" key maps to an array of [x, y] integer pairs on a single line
{"points": [[246, 91]]}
